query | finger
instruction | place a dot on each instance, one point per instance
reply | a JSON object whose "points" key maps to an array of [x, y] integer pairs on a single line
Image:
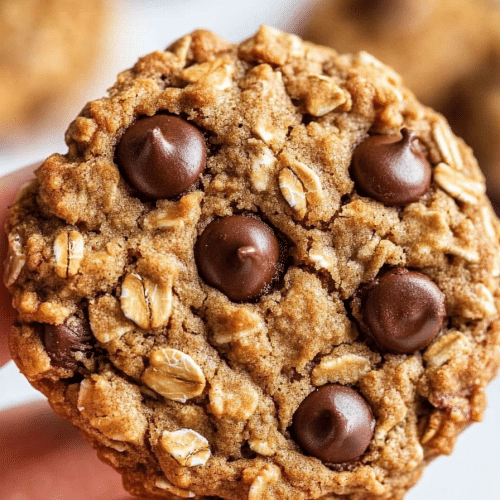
{"points": [[43, 457], [9, 185]]}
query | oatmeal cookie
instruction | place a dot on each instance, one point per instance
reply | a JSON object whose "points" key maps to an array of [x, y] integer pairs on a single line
{"points": [[261, 271], [46, 46]]}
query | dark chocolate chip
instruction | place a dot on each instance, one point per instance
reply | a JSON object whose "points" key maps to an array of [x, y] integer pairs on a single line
{"points": [[391, 169], [62, 342], [403, 311], [334, 424], [238, 256], [161, 156]]}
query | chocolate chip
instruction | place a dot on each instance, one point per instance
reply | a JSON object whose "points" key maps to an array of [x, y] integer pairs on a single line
{"points": [[391, 169], [404, 311], [161, 156], [238, 256], [62, 342], [334, 424]]}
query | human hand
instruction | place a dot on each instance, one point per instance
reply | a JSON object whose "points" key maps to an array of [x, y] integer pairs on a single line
{"points": [[42, 456]]}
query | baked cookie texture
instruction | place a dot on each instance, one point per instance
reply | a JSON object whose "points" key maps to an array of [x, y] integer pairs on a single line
{"points": [[379, 325], [47, 46], [446, 51]]}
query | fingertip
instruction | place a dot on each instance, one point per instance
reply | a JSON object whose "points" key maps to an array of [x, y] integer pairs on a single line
{"points": [[9, 186], [48, 450]]}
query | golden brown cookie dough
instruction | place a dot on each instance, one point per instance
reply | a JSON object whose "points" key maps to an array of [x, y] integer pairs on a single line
{"points": [[47, 45], [381, 310], [446, 50]]}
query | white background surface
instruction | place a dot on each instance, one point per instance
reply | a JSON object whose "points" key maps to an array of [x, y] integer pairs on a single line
{"points": [[141, 26]]}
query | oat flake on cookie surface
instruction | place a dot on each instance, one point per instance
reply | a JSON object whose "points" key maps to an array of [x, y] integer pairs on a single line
{"points": [[262, 271]]}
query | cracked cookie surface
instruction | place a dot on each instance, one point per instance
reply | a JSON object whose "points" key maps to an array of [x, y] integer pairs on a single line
{"points": [[190, 394]]}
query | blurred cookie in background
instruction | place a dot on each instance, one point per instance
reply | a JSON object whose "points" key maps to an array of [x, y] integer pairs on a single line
{"points": [[473, 110], [47, 48], [448, 52], [432, 43]]}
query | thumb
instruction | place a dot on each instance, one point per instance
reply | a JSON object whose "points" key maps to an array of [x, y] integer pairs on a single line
{"points": [[43, 457], [9, 186]]}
